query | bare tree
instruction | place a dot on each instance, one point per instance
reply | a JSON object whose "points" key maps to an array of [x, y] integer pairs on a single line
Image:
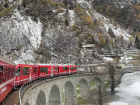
{"points": [[111, 68]]}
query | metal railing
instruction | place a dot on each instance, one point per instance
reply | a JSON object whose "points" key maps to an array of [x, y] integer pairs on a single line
{"points": [[26, 86]]}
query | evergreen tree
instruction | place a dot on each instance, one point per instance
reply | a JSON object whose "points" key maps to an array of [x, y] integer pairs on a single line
{"points": [[24, 3], [6, 5], [35, 19], [27, 12], [137, 42], [18, 7], [66, 22]]}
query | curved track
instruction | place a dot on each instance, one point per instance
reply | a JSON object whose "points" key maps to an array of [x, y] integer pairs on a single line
{"points": [[12, 98]]}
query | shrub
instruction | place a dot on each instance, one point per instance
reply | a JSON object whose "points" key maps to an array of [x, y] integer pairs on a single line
{"points": [[78, 10], [7, 11], [53, 3], [74, 26], [61, 9], [89, 21], [63, 5]]}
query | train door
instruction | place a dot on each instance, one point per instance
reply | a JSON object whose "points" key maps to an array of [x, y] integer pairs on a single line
{"points": [[30, 79], [1, 80], [51, 71], [69, 69], [26, 74], [4, 74], [18, 75], [1, 74]]}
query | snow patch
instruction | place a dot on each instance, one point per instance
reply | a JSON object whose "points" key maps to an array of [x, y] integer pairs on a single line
{"points": [[84, 3], [71, 17], [107, 59], [125, 59], [118, 103]]}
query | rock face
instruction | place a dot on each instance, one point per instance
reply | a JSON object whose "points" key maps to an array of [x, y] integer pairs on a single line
{"points": [[20, 33], [55, 32]]}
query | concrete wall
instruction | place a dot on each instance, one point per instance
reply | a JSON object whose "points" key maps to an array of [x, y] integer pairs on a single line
{"points": [[50, 91]]}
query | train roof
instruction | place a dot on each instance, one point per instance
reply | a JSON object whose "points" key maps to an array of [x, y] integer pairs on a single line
{"points": [[26, 65], [42, 64], [53, 64], [6, 60]]}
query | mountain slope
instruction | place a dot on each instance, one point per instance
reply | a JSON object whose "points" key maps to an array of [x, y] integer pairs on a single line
{"points": [[54, 32]]}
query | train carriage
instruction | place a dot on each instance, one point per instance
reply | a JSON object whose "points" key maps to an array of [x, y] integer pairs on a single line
{"points": [[25, 73], [46, 70], [64, 69], [73, 69], [7, 76], [67, 69]]}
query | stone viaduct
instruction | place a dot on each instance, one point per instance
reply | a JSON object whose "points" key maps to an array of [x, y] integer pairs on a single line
{"points": [[51, 91]]}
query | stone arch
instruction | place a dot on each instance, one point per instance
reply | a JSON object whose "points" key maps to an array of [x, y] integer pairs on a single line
{"points": [[84, 88], [26, 103], [41, 99], [54, 98], [69, 93], [98, 83], [92, 86]]}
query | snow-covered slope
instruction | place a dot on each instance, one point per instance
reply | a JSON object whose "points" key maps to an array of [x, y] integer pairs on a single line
{"points": [[107, 24], [71, 17], [20, 32], [129, 89]]}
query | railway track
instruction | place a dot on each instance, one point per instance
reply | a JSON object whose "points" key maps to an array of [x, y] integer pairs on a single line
{"points": [[12, 98]]}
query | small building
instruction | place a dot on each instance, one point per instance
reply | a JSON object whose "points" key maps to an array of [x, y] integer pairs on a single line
{"points": [[88, 46]]}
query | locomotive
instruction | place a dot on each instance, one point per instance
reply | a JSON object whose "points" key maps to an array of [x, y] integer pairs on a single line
{"points": [[12, 75]]}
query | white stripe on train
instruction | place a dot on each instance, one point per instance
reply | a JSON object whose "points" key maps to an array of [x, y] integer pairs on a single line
{"points": [[4, 84], [44, 75]]}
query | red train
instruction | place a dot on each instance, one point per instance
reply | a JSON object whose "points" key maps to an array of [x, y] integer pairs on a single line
{"points": [[26, 73], [7, 76], [14, 75]]}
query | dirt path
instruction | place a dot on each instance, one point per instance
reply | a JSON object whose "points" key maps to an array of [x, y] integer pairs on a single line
{"points": [[12, 98]]}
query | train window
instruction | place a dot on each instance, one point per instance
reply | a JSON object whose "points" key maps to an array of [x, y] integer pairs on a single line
{"points": [[35, 70], [25, 70], [56, 68], [72, 68], [7, 73], [13, 72], [0, 77], [10, 73], [44, 69], [18, 72], [1, 71], [65, 68], [4, 75], [1, 68]]}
